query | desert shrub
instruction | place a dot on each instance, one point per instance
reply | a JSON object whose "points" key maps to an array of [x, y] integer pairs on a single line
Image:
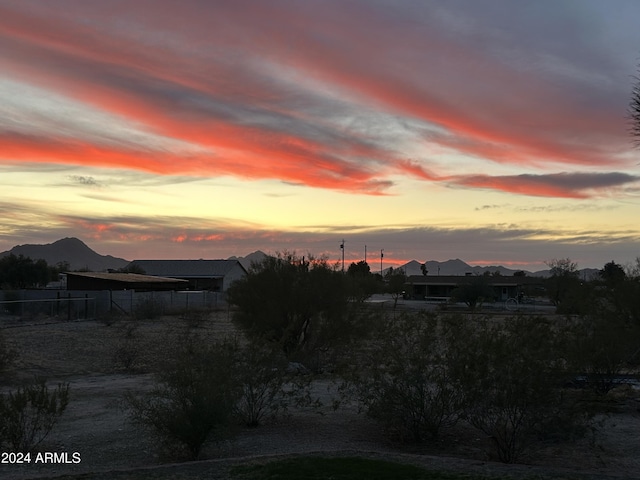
{"points": [[7, 353], [128, 348], [148, 308], [194, 398], [267, 389], [195, 317], [510, 373], [604, 347], [203, 390], [404, 379], [29, 413]]}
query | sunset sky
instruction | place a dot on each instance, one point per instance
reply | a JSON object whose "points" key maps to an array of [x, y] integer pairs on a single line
{"points": [[493, 131]]}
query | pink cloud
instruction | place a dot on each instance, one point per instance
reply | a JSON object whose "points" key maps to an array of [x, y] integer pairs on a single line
{"points": [[247, 122]]}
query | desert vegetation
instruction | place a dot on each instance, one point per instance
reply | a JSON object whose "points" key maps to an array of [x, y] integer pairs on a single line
{"points": [[429, 381]]}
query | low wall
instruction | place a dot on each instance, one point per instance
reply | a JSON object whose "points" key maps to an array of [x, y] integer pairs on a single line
{"points": [[77, 304]]}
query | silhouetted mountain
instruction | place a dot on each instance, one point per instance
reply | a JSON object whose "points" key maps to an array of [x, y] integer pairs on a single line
{"points": [[71, 250], [452, 267], [246, 261], [458, 267]]}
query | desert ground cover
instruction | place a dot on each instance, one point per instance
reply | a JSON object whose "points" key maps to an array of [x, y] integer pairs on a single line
{"points": [[103, 360]]}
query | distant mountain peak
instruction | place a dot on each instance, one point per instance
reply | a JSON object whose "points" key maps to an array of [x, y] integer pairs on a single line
{"points": [[69, 250]]}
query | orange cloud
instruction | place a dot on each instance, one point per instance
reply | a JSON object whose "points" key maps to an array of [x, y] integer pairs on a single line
{"points": [[237, 117]]}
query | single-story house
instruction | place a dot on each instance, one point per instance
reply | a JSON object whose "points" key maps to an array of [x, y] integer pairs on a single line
{"points": [[122, 281], [214, 275], [441, 287]]}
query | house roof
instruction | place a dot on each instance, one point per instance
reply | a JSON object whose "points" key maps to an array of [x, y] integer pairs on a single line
{"points": [[130, 278], [187, 268]]}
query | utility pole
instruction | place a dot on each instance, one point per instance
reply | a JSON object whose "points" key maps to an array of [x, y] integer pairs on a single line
{"points": [[342, 248], [365, 254], [381, 256]]}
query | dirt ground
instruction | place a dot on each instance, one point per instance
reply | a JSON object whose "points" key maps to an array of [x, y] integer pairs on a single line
{"points": [[92, 357]]}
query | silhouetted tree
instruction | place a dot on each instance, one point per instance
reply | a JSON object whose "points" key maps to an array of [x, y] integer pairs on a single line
{"points": [[612, 273], [474, 292], [563, 286], [18, 272], [621, 290], [300, 305], [362, 284], [396, 281]]}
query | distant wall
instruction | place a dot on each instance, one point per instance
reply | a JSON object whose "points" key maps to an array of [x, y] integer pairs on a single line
{"points": [[76, 304]]}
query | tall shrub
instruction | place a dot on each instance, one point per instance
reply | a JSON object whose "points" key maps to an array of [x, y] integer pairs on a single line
{"points": [[404, 379], [194, 399], [511, 373]]}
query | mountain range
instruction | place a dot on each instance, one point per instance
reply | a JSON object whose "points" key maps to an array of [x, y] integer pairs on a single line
{"points": [[81, 257]]}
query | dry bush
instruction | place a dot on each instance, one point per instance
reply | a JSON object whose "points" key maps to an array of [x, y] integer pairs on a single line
{"points": [[128, 348], [29, 413], [193, 399], [404, 382], [7, 354]]}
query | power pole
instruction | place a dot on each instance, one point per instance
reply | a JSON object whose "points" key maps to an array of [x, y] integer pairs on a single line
{"points": [[342, 248], [381, 256]]}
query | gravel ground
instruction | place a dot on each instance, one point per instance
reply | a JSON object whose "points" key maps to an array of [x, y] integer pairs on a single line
{"points": [[96, 426]]}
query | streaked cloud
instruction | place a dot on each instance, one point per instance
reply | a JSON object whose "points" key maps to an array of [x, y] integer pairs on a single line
{"points": [[567, 185], [173, 127], [283, 112]]}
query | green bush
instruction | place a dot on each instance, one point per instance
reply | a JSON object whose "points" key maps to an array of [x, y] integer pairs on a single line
{"points": [[29, 413]]}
